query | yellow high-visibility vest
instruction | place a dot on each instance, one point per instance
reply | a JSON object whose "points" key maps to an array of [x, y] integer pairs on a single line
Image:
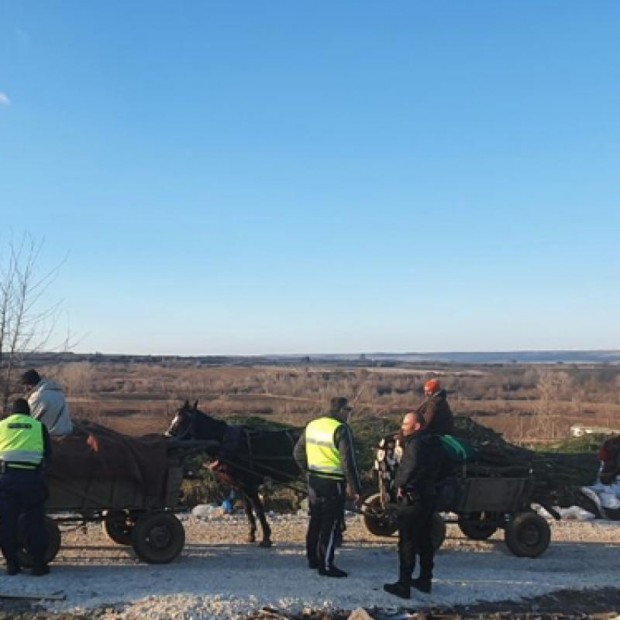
{"points": [[321, 452], [21, 441]]}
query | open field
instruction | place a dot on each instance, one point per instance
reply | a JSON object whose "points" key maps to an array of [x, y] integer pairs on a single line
{"points": [[525, 402]]}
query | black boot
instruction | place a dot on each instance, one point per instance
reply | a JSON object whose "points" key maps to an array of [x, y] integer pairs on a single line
{"points": [[333, 571], [40, 569], [12, 568], [423, 585], [398, 589]]}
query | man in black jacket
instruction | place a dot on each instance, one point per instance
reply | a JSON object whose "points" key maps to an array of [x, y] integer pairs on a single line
{"points": [[416, 482], [435, 409]]}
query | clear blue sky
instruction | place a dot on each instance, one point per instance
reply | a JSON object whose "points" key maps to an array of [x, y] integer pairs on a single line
{"points": [[301, 177]]}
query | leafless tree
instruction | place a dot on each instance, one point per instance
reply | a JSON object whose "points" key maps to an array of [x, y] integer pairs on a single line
{"points": [[552, 388], [26, 323]]}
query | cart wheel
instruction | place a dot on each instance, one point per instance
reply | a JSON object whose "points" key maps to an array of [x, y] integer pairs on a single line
{"points": [[613, 514], [24, 557], [117, 526], [158, 537], [378, 520], [528, 535], [475, 526], [438, 532]]}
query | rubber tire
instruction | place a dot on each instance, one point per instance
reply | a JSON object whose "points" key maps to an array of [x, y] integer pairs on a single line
{"points": [[528, 535], [54, 539], [379, 521], [386, 524], [476, 528], [117, 525], [158, 537], [613, 514], [438, 532]]}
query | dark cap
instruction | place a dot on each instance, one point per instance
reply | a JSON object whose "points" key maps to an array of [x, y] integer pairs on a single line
{"points": [[338, 404], [31, 377], [20, 405]]}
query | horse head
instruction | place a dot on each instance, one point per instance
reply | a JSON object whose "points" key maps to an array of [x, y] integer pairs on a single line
{"points": [[609, 455], [182, 426], [190, 422]]}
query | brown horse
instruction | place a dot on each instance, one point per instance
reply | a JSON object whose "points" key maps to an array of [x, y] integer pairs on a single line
{"points": [[609, 455], [243, 457]]}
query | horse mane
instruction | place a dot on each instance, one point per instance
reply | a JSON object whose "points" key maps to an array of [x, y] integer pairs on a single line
{"points": [[205, 426]]}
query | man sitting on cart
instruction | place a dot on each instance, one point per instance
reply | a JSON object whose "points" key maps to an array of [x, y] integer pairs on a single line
{"points": [[435, 409]]}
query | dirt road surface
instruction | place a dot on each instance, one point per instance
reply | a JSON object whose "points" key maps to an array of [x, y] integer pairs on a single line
{"points": [[219, 576]]}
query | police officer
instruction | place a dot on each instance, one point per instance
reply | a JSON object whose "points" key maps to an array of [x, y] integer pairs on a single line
{"points": [[416, 481], [24, 445], [326, 451]]}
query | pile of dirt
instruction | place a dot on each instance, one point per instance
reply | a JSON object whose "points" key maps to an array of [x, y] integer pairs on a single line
{"points": [[593, 604]]}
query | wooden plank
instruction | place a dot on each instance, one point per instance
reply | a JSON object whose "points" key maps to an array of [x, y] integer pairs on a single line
{"points": [[18, 596]]}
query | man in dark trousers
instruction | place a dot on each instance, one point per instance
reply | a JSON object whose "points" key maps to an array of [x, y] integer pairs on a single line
{"points": [[416, 481], [435, 409], [24, 445], [326, 451]]}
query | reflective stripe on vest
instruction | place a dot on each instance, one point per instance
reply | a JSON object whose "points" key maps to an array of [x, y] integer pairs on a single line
{"points": [[21, 441], [321, 451]]}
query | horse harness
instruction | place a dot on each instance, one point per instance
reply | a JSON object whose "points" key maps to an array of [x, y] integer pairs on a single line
{"points": [[236, 440]]}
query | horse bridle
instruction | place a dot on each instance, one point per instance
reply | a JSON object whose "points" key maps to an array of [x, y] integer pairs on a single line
{"points": [[186, 433]]}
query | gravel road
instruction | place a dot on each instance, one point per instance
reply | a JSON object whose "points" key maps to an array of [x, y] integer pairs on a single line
{"points": [[218, 575]]}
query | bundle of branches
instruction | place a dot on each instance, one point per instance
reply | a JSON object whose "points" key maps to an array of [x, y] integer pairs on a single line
{"points": [[556, 474]]}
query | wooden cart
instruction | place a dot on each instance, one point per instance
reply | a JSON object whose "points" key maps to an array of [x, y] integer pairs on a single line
{"points": [[135, 509]]}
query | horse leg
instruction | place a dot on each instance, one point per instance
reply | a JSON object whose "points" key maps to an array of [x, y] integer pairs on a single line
{"points": [[260, 513], [247, 506]]}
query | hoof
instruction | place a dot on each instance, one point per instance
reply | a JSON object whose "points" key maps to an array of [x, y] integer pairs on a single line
{"points": [[251, 538], [265, 543]]}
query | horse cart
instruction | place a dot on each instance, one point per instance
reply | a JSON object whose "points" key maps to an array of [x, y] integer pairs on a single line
{"points": [[480, 498], [130, 484]]}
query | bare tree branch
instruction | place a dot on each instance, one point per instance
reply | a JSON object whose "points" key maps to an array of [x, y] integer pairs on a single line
{"points": [[26, 324]]}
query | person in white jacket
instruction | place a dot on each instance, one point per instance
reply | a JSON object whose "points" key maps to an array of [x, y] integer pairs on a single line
{"points": [[47, 403]]}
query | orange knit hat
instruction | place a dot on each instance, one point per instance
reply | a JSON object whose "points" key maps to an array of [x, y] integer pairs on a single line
{"points": [[432, 386]]}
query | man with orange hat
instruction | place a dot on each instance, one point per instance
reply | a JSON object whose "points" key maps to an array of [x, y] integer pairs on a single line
{"points": [[436, 410]]}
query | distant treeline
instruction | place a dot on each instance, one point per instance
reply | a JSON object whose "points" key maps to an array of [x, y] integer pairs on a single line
{"points": [[379, 360]]}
